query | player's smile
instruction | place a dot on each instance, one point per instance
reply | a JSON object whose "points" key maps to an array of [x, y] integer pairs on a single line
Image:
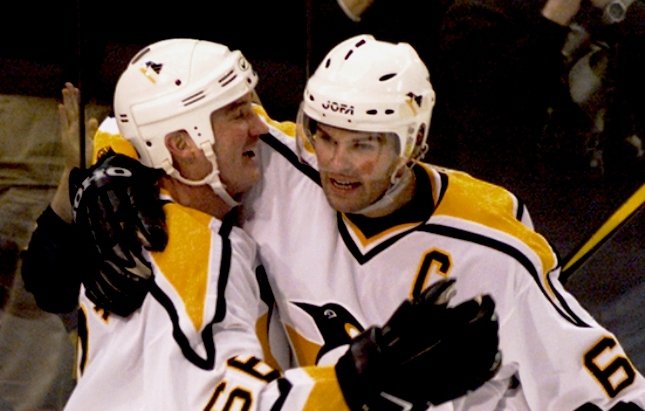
{"points": [[342, 184], [342, 192]]}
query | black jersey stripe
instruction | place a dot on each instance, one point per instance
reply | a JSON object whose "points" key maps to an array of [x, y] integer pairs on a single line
{"points": [[353, 248], [284, 387], [512, 252], [292, 157], [520, 209], [207, 362], [225, 265], [468, 236], [443, 188]]}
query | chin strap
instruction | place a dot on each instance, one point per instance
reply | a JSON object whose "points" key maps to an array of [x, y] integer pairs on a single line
{"points": [[398, 183], [212, 179]]}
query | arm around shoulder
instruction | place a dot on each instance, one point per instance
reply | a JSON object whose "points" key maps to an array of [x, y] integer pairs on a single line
{"points": [[52, 264]]}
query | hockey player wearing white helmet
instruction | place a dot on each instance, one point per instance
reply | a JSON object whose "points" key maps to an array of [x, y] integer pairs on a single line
{"points": [[397, 224], [366, 111], [185, 105]]}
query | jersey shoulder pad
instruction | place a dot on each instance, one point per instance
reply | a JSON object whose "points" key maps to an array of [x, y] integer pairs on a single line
{"points": [[108, 137], [285, 127], [468, 197]]}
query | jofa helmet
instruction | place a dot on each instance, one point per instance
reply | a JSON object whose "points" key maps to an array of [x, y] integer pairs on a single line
{"points": [[175, 85], [368, 85]]}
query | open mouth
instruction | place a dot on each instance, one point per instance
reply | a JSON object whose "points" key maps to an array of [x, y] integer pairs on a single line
{"points": [[249, 154], [343, 185]]}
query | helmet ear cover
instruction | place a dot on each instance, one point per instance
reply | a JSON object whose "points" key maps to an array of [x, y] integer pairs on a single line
{"points": [[369, 85]]}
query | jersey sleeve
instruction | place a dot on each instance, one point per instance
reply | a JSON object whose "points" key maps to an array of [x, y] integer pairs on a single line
{"points": [[250, 383], [108, 137], [53, 263], [567, 359]]}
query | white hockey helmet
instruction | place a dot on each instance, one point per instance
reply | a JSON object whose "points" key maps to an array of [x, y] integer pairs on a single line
{"points": [[175, 85], [364, 84]]}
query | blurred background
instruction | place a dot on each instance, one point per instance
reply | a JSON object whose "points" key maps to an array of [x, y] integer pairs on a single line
{"points": [[568, 162]]}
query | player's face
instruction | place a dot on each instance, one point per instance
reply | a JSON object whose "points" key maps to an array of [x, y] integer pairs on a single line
{"points": [[355, 167], [237, 129]]}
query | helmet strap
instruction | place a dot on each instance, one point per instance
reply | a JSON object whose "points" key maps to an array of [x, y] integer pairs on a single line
{"points": [[399, 181], [212, 179]]}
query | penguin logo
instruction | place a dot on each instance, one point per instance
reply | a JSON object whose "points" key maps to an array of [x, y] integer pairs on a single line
{"points": [[151, 71], [335, 323]]}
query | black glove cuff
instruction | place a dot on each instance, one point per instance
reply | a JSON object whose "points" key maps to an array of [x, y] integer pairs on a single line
{"points": [[358, 371]]}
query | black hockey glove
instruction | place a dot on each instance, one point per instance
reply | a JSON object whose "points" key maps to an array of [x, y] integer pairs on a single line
{"points": [[426, 353], [117, 209]]}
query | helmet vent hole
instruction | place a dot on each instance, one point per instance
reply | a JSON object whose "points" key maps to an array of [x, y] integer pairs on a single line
{"points": [[386, 77], [149, 143], [372, 112], [389, 111], [194, 98], [327, 63], [311, 97], [124, 118], [360, 43], [349, 53], [177, 82]]}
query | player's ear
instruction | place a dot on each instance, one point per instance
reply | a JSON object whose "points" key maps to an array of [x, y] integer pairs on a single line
{"points": [[180, 145]]}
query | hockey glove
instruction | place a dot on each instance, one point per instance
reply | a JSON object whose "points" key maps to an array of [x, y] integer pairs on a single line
{"points": [[117, 209], [426, 353]]}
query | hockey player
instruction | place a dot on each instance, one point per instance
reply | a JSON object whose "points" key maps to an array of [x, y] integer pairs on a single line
{"points": [[192, 342], [349, 222], [396, 225]]}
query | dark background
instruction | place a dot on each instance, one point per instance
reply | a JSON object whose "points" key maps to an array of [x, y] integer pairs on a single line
{"points": [[45, 43]]}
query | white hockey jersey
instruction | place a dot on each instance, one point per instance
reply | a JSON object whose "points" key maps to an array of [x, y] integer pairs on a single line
{"points": [[193, 345], [334, 275]]}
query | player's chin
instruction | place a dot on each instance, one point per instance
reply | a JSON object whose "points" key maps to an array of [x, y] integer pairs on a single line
{"points": [[343, 203], [252, 176]]}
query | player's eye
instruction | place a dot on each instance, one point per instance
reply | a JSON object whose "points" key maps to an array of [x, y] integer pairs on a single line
{"points": [[367, 143]]}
